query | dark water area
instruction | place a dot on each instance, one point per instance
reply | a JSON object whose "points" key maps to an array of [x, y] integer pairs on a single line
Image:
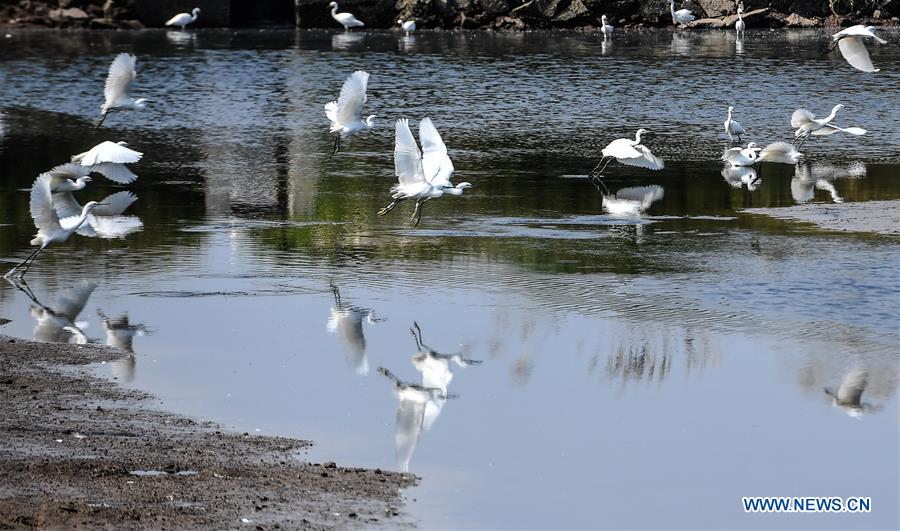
{"points": [[637, 371]]}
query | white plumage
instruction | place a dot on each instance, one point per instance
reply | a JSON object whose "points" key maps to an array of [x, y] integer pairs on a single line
{"points": [[682, 16], [345, 113], [851, 45], [807, 124], [632, 152], [733, 127], [106, 221], [742, 156], [632, 201], [739, 25], [69, 177], [121, 73], [183, 19], [780, 152], [110, 158], [344, 19], [408, 26], [605, 28]]}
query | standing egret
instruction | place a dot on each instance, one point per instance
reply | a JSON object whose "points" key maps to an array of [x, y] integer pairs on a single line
{"points": [[682, 16], [344, 19], [740, 24], [742, 156], [408, 26], [121, 74], [345, 113], [183, 19], [628, 152], [780, 152], [632, 201], [732, 127], [807, 124], [109, 158], [47, 221], [850, 42], [605, 29], [421, 176]]}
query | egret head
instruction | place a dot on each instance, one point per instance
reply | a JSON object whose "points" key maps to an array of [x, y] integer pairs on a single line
{"points": [[730, 108], [740, 9], [91, 205], [838, 107], [463, 186], [603, 19], [400, 22], [332, 4], [370, 121], [751, 145], [140, 103], [642, 131], [196, 11]]}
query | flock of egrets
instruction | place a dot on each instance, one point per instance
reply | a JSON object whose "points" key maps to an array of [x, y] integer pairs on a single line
{"points": [[423, 174]]}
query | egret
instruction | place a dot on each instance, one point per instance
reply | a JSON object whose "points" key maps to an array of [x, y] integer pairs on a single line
{"points": [[109, 158], [346, 321], [344, 19], [69, 177], [120, 332], [807, 124], [413, 400], [740, 24], [105, 221], [47, 221], [183, 19], [809, 179], [848, 395], [851, 45], [780, 152], [121, 74], [742, 156], [345, 113], [732, 127], [605, 29], [408, 26], [628, 152], [632, 201], [738, 176], [421, 176], [682, 16], [57, 323]]}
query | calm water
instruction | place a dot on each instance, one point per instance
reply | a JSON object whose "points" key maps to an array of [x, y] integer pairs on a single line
{"points": [[634, 372]]}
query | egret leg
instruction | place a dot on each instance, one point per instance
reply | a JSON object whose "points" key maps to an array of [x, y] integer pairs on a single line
{"points": [[598, 173], [739, 137], [31, 256], [595, 179], [831, 48], [337, 146], [337, 295], [417, 213], [416, 338], [802, 141], [102, 118], [390, 207]]}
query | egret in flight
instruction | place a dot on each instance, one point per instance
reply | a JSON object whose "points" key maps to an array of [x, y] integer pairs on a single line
{"points": [[628, 152], [121, 74], [780, 152], [742, 156], [108, 158], [408, 26], [852, 46], [807, 124], [69, 177], [848, 396], [345, 113], [605, 28], [739, 25], [47, 221], [105, 221], [183, 19], [682, 16], [344, 19], [732, 127], [422, 175]]}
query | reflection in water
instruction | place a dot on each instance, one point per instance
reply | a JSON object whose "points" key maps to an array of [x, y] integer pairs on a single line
{"points": [[56, 324], [181, 38], [848, 395], [345, 41], [346, 322], [738, 176], [120, 334], [407, 43], [739, 44], [420, 405], [806, 181], [104, 222], [632, 201]]}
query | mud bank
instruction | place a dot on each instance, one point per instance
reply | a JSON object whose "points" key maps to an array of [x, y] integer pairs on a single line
{"points": [[880, 217], [79, 451]]}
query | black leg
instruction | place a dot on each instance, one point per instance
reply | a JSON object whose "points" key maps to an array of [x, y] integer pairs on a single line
{"points": [[102, 118], [597, 167], [337, 146], [33, 257], [390, 207], [20, 264]]}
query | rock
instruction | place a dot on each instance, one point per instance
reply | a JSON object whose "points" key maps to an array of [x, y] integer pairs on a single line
{"points": [[494, 8], [74, 12], [102, 23], [717, 8], [796, 21], [133, 24], [574, 10], [751, 18]]}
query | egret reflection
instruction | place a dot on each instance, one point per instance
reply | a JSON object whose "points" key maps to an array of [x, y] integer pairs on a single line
{"points": [[632, 201], [347, 322], [57, 323], [181, 38], [345, 41], [120, 334], [807, 180], [848, 395], [740, 176]]}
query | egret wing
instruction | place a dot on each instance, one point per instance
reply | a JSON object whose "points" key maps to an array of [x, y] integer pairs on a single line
{"points": [[115, 204], [108, 152], [435, 161], [829, 129], [800, 117], [352, 98], [731, 153], [852, 387], [644, 194], [737, 128], [65, 205], [71, 302], [85, 229], [331, 109], [116, 172], [69, 170], [854, 51], [621, 148], [121, 74], [407, 158], [115, 226], [779, 152], [347, 19], [45, 218], [646, 160]]}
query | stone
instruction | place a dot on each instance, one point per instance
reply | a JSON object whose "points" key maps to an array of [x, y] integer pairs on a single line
{"points": [[717, 8], [796, 21], [494, 8], [574, 10], [74, 12]]}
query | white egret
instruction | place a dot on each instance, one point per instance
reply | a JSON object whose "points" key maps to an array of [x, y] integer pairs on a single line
{"points": [[421, 176], [345, 113], [739, 176], [69, 177], [183, 19], [852, 46], [848, 395], [732, 127], [742, 156], [807, 124], [780, 152], [605, 28], [121, 74], [344, 19], [47, 221], [628, 152], [408, 26], [347, 322], [109, 158], [632, 201], [739, 25], [105, 221], [682, 16]]}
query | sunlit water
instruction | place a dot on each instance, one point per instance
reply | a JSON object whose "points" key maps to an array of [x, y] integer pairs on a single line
{"points": [[634, 372]]}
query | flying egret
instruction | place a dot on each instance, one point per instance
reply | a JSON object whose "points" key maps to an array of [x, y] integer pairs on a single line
{"points": [[344, 19], [183, 19], [344, 113], [346, 321], [740, 24], [632, 201], [682, 16], [848, 395], [850, 42], [780, 152], [421, 176], [807, 124], [121, 74], [47, 221], [742, 156], [732, 127], [109, 158], [628, 152], [105, 221], [69, 177], [408, 26], [605, 29]]}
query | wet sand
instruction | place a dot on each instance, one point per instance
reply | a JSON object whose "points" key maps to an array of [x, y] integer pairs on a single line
{"points": [[881, 217], [70, 444]]}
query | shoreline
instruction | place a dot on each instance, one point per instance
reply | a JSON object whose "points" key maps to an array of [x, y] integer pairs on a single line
{"points": [[80, 451], [878, 217]]}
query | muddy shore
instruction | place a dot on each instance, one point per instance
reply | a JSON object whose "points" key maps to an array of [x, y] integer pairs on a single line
{"points": [[80, 451], [879, 217]]}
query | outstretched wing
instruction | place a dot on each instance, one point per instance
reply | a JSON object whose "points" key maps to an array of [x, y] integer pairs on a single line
{"points": [[436, 165], [121, 73], [779, 152], [646, 160], [115, 226], [352, 98], [45, 218], [407, 158], [331, 109], [621, 148], [116, 172], [731, 153], [115, 204], [854, 51], [108, 152], [645, 194], [800, 117], [65, 205], [69, 170], [829, 129], [72, 301]]}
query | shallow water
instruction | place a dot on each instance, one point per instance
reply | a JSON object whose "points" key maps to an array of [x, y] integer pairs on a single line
{"points": [[634, 371]]}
